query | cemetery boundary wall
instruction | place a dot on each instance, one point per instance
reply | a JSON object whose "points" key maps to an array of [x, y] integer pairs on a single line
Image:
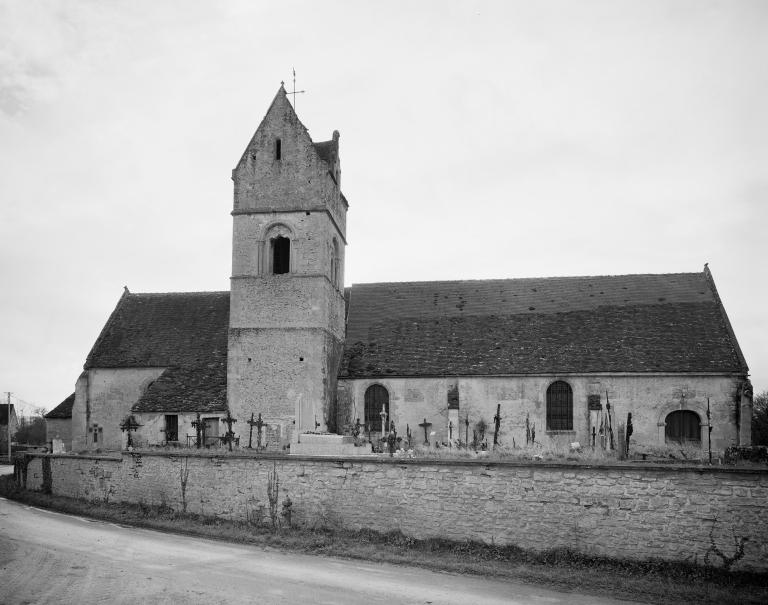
{"points": [[675, 513]]}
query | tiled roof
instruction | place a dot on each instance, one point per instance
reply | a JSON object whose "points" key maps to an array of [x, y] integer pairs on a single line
{"points": [[63, 410], [156, 330], [626, 323], [328, 151], [195, 389]]}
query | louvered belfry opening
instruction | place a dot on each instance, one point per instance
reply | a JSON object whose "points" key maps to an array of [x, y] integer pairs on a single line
{"points": [[559, 407], [683, 427], [376, 396], [281, 255]]}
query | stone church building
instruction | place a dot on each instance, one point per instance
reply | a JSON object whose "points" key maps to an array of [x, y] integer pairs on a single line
{"points": [[290, 343]]}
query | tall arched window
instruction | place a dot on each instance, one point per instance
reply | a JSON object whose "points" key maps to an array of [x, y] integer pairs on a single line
{"points": [[683, 427], [281, 255], [376, 397], [559, 407]]}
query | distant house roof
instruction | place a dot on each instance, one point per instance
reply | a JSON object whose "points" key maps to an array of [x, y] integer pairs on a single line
{"points": [[4, 413], [163, 330], [625, 323], [63, 410]]}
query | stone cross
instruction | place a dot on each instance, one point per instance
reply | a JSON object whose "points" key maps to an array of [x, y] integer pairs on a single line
{"points": [[198, 426], [425, 425], [230, 436], [497, 424]]}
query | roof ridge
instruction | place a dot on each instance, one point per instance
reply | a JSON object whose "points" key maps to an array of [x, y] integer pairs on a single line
{"points": [[199, 293], [509, 279]]}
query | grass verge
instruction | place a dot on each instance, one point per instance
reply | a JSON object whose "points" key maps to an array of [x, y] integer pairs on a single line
{"points": [[650, 581]]}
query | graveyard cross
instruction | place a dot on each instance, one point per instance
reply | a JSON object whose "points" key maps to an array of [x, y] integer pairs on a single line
{"points": [[259, 424], [230, 436], [392, 439], [250, 430], [198, 425], [129, 424], [425, 425], [497, 423]]}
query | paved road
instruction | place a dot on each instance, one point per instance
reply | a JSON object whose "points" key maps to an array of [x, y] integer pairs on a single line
{"points": [[48, 557]]}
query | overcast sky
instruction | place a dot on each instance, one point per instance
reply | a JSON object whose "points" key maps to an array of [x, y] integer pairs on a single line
{"points": [[478, 140]]}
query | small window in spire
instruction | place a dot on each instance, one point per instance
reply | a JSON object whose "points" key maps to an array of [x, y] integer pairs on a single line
{"points": [[278, 149]]}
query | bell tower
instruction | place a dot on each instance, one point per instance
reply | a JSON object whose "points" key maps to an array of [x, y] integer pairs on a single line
{"points": [[286, 326]]}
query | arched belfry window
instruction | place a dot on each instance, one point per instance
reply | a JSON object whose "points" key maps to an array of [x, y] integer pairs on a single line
{"points": [[376, 398], [280, 252], [559, 407], [683, 427]]}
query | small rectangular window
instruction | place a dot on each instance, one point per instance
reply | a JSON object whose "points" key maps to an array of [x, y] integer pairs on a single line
{"points": [[278, 149], [171, 427]]}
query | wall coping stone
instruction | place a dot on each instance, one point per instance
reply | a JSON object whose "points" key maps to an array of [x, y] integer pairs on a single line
{"points": [[386, 460]]}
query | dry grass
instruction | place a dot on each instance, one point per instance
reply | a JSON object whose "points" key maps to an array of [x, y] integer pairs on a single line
{"points": [[653, 581]]}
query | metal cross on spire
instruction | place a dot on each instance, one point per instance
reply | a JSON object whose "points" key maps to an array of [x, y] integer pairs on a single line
{"points": [[295, 92]]}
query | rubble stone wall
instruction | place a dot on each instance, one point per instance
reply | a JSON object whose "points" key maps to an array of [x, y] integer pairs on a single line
{"points": [[673, 513]]}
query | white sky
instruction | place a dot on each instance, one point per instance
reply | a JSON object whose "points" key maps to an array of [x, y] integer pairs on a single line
{"points": [[478, 140]]}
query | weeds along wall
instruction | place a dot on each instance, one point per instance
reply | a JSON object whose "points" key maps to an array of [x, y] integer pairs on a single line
{"points": [[716, 516]]}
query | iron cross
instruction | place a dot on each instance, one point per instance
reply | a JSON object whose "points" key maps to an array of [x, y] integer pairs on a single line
{"points": [[198, 425], [294, 92], [259, 424], [229, 421], [425, 425]]}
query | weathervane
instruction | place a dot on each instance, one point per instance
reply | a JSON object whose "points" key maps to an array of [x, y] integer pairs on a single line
{"points": [[294, 92]]}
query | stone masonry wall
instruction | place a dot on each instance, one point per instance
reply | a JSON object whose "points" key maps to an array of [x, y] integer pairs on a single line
{"points": [[672, 513]]}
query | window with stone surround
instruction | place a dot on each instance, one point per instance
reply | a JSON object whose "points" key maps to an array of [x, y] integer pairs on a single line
{"points": [[376, 398], [559, 406], [683, 427]]}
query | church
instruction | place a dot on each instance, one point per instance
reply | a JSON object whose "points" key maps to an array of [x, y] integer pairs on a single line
{"points": [[290, 344]]}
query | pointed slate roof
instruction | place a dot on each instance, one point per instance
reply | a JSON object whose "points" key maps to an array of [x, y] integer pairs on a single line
{"points": [[625, 323], [63, 411]]}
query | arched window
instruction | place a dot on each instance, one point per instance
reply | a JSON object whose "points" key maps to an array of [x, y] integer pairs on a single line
{"points": [[683, 427], [559, 407], [376, 397], [280, 255]]}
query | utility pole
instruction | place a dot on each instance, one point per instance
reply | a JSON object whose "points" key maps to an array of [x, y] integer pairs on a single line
{"points": [[8, 393]]}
